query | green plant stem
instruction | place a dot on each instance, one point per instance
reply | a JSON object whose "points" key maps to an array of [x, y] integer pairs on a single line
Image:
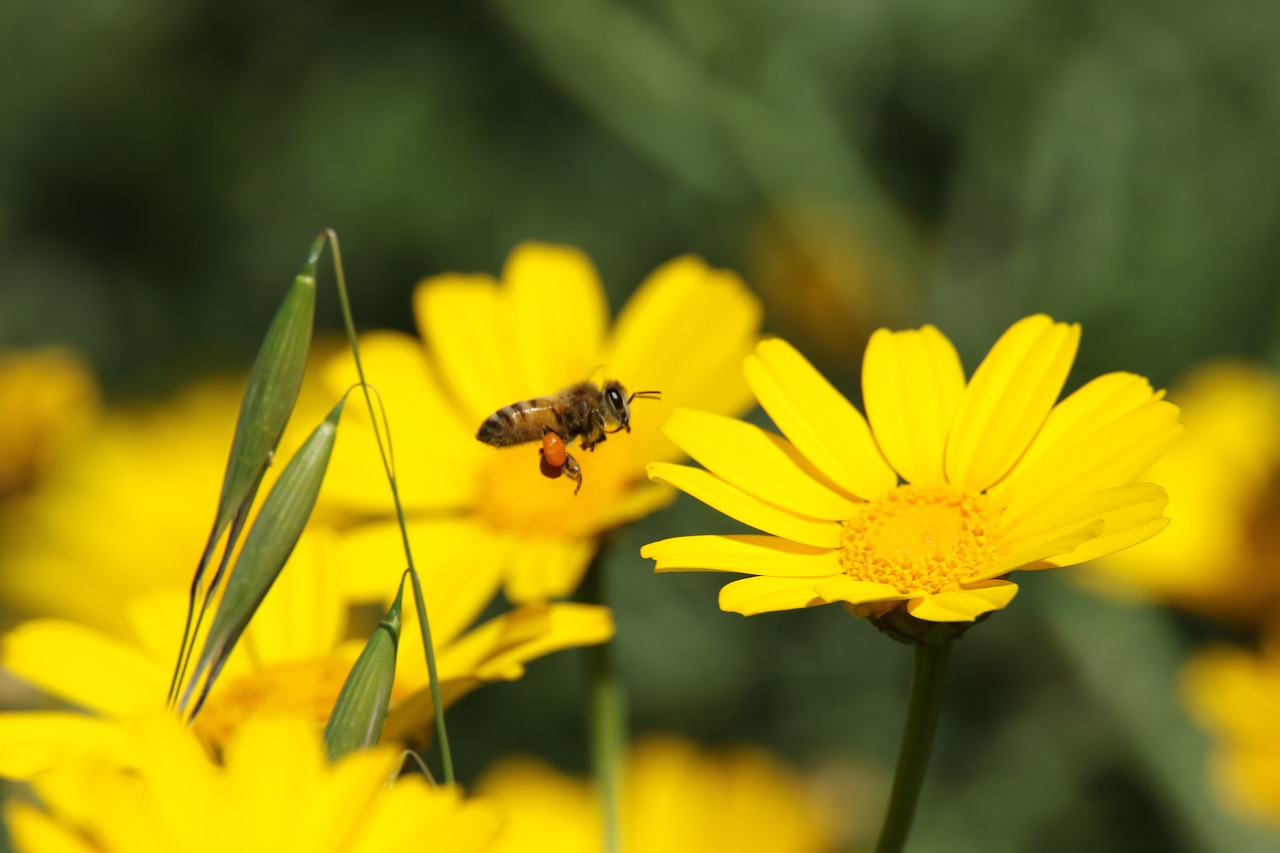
{"points": [[607, 717], [923, 704], [388, 462]]}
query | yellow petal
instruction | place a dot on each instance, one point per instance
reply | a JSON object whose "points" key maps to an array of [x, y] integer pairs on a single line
{"points": [[1104, 454], [545, 567], [35, 742], [181, 782], [1131, 514], [50, 398], [557, 314], [1125, 511], [1008, 399], [758, 462], [818, 419], [1024, 549], [31, 829], [756, 555], [911, 383], [1097, 402], [84, 667], [467, 333], [274, 767], [734, 502], [847, 589], [764, 594], [637, 502], [964, 605], [459, 560], [499, 649], [338, 811], [663, 337], [663, 341], [411, 811], [422, 422], [304, 614]]}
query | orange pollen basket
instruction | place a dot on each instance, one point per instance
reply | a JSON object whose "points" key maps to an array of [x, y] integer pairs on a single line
{"points": [[921, 538]]}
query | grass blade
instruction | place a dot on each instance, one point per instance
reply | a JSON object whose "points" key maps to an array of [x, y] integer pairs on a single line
{"points": [[267, 546], [268, 401], [358, 714]]}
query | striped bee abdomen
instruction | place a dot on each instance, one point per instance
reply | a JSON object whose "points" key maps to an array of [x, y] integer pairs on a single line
{"points": [[521, 422]]}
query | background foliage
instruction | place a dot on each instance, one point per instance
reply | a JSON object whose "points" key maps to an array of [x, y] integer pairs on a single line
{"points": [[163, 168]]}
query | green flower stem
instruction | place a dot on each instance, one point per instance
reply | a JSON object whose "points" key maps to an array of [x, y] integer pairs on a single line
{"points": [[923, 704], [607, 716]]}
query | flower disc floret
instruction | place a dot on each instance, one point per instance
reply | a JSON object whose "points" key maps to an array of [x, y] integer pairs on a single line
{"points": [[920, 538]]}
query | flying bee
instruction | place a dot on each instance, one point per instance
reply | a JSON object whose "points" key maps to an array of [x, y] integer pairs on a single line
{"points": [[584, 411]]}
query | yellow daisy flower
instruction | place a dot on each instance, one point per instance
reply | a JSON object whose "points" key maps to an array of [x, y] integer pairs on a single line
{"points": [[293, 658], [127, 510], [49, 398], [944, 488], [489, 343], [275, 792], [1221, 556], [676, 797], [1236, 696]]}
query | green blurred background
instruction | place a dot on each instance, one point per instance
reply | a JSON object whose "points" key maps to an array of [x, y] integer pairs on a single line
{"points": [[164, 167]]}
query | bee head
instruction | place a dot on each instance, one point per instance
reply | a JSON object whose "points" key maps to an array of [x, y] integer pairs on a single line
{"points": [[617, 405]]}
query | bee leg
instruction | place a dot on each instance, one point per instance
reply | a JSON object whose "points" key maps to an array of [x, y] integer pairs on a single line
{"points": [[571, 468]]}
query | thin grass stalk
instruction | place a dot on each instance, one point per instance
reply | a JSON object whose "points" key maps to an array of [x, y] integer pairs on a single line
{"points": [[388, 463]]}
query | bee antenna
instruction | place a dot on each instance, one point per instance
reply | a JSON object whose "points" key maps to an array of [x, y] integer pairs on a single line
{"points": [[645, 395]]}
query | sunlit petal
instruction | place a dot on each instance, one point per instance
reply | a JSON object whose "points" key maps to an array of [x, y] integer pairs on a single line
{"points": [[911, 384], [468, 335], [856, 592], [734, 502], [1008, 399], [460, 562], [556, 311], [763, 594], [818, 419], [84, 667], [749, 554], [758, 462], [964, 605]]}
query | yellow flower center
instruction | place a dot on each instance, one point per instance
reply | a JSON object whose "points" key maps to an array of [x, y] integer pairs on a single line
{"points": [[305, 687], [516, 497], [921, 538]]}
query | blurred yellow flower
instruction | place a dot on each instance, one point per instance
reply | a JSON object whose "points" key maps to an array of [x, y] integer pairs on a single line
{"points": [[103, 549], [275, 792], [675, 798], [48, 398], [127, 510], [293, 658], [487, 344], [951, 486], [1236, 696], [1222, 557]]}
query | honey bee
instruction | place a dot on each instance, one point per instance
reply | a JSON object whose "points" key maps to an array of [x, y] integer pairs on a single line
{"points": [[584, 411]]}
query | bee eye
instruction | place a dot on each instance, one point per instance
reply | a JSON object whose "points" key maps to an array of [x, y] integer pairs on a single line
{"points": [[615, 399]]}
